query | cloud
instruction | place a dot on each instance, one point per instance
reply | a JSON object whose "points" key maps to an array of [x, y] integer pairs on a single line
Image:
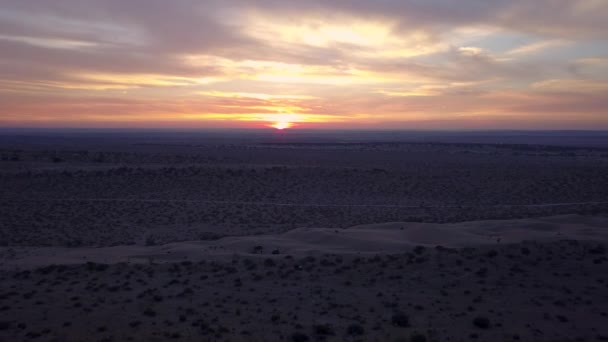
{"points": [[391, 60], [572, 86], [537, 47]]}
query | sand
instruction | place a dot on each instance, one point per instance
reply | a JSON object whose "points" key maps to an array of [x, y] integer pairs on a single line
{"points": [[385, 238]]}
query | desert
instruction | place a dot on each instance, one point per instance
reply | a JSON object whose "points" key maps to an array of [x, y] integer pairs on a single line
{"points": [[302, 171], [358, 241]]}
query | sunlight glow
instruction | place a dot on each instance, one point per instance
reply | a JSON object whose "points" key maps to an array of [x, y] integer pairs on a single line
{"points": [[282, 125]]}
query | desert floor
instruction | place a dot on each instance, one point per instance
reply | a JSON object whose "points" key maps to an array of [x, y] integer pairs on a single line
{"points": [[514, 280], [291, 241]]}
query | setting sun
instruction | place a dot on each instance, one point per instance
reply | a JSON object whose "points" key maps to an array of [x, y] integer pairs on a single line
{"points": [[282, 125]]}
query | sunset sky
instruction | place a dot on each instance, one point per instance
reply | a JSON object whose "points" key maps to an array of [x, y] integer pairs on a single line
{"points": [[361, 64]]}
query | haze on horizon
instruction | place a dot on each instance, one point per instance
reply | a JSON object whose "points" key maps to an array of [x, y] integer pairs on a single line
{"points": [[408, 64]]}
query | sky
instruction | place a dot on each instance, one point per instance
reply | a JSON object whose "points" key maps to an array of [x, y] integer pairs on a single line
{"points": [[360, 64]]}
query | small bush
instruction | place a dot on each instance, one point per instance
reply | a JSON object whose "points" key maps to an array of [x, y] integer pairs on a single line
{"points": [[419, 249], [149, 312], [323, 329], [417, 337], [150, 241], [355, 330], [299, 337], [481, 322], [4, 325], [400, 319]]}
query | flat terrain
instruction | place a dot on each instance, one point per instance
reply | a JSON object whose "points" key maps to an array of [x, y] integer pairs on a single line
{"points": [[300, 238], [137, 192]]}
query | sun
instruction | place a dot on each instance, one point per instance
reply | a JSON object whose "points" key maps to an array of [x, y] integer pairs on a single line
{"points": [[281, 125], [282, 121]]}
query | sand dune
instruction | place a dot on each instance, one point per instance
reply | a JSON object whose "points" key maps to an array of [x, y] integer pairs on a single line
{"points": [[385, 238]]}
